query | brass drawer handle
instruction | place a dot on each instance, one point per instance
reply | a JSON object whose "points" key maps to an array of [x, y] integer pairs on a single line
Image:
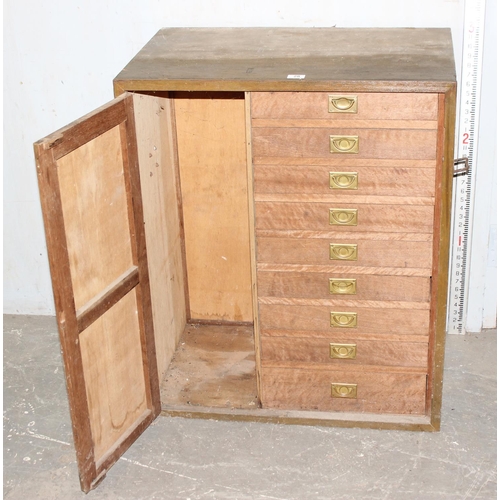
{"points": [[343, 216], [343, 252], [342, 103], [343, 351], [344, 144], [349, 391], [342, 286], [343, 319], [343, 180]]}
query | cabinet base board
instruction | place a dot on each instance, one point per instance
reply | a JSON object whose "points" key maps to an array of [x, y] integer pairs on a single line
{"points": [[212, 376], [300, 417]]}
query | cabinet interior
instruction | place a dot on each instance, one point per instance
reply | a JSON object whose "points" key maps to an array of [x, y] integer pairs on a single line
{"points": [[195, 195]]}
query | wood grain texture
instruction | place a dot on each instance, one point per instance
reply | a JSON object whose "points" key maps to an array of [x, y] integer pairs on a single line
{"points": [[212, 160], [416, 423], [332, 233], [107, 298], [161, 223], [310, 216], [346, 199], [348, 162], [344, 336], [93, 194], [368, 287], [250, 59], [371, 106], [346, 303], [437, 242], [60, 269], [420, 63], [380, 271], [253, 249], [334, 368], [87, 128], [310, 389], [138, 237], [317, 318], [315, 143], [105, 182], [113, 370], [314, 179], [214, 366], [444, 185], [316, 251], [317, 350], [180, 205], [359, 124]]}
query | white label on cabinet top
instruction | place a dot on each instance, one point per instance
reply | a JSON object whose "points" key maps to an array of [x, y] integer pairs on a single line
{"points": [[296, 77]]}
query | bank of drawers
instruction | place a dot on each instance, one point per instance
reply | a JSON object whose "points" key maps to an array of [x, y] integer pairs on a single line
{"points": [[344, 213]]}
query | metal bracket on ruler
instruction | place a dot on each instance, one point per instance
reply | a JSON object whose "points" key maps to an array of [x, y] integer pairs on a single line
{"points": [[461, 171]]}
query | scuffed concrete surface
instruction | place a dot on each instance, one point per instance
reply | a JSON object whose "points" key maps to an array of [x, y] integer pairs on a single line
{"points": [[200, 459]]}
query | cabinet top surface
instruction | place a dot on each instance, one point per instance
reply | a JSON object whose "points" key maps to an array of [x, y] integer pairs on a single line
{"points": [[267, 59]]}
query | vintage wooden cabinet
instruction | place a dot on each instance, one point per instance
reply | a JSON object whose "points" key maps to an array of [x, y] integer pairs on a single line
{"points": [[255, 228]]}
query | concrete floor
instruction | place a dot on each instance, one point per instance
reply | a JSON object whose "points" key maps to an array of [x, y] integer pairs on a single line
{"points": [[197, 459]]}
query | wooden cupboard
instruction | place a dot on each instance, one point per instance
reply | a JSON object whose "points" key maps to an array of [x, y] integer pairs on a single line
{"points": [[256, 228]]}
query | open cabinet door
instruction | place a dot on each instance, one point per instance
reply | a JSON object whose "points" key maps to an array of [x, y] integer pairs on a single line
{"points": [[91, 199]]}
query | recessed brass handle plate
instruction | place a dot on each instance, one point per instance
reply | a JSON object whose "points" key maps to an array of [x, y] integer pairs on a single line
{"points": [[343, 351], [342, 286], [343, 180], [348, 391], [343, 216], [343, 319], [342, 103], [343, 252], [347, 144]]}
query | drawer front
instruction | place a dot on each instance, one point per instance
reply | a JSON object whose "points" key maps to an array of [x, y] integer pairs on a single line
{"points": [[354, 319], [331, 351], [354, 217], [319, 105], [338, 286], [340, 250], [345, 180], [316, 143], [374, 392]]}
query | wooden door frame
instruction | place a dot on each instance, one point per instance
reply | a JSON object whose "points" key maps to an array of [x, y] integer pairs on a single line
{"points": [[71, 322]]}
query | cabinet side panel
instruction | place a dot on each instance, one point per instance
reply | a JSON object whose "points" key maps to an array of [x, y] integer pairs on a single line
{"points": [[162, 223], [212, 162], [253, 242], [439, 299]]}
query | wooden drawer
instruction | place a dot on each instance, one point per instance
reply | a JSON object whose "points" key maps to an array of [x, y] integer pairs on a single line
{"points": [[315, 105], [373, 143], [413, 319], [377, 392], [404, 256], [368, 180], [317, 216], [338, 286], [329, 350]]}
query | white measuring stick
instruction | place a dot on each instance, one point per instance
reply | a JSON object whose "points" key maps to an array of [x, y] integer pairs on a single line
{"points": [[464, 185]]}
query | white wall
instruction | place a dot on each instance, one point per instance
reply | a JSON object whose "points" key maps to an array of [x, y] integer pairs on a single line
{"points": [[60, 57]]}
